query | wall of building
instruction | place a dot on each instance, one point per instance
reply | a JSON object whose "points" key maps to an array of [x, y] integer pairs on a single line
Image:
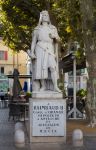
{"points": [[10, 60]]}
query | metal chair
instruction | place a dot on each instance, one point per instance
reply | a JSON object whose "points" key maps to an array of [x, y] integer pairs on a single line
{"points": [[14, 111]]}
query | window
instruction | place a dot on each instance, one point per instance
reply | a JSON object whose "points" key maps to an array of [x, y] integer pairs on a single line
{"points": [[3, 55], [2, 70], [82, 70], [78, 72]]}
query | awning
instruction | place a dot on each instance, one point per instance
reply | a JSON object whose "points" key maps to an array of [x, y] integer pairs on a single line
{"points": [[67, 63], [20, 76]]}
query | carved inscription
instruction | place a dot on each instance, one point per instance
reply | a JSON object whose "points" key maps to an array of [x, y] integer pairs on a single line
{"points": [[48, 118]]}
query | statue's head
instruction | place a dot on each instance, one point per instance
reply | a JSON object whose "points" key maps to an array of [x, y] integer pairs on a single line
{"points": [[44, 17]]}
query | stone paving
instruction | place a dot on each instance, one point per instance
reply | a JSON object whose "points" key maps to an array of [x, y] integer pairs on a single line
{"points": [[7, 132], [7, 138]]}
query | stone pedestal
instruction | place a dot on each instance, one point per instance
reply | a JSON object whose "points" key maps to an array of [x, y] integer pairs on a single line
{"points": [[47, 117]]}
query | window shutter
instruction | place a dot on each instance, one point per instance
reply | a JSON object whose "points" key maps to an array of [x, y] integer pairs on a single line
{"points": [[6, 55]]}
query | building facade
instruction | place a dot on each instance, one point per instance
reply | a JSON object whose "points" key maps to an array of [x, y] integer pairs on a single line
{"points": [[10, 60]]}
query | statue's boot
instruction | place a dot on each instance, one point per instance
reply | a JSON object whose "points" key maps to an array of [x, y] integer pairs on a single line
{"points": [[43, 88], [56, 89], [54, 80]]}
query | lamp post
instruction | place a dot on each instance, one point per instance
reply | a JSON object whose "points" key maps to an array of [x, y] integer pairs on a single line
{"points": [[74, 83], [74, 110]]}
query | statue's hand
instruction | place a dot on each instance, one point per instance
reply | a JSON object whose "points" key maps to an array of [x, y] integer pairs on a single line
{"points": [[29, 53], [33, 56], [51, 36], [54, 37]]}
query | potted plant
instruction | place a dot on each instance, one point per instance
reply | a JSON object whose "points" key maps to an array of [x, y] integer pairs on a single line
{"points": [[28, 95], [81, 99], [82, 93]]}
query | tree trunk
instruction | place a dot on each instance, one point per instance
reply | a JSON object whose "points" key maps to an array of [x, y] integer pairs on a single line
{"points": [[89, 37]]}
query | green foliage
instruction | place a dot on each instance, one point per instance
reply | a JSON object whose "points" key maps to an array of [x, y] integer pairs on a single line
{"points": [[80, 55], [60, 85], [68, 16], [29, 94], [81, 93], [19, 17]]}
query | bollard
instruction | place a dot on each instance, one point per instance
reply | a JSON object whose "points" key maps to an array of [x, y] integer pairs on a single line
{"points": [[77, 138], [19, 138], [18, 125]]}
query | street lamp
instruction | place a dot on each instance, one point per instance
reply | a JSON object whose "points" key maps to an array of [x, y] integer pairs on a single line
{"points": [[74, 110]]}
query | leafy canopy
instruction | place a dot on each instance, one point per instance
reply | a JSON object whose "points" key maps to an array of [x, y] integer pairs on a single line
{"points": [[19, 17]]}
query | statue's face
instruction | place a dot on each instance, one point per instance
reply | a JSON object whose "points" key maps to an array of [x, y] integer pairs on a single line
{"points": [[45, 17]]}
